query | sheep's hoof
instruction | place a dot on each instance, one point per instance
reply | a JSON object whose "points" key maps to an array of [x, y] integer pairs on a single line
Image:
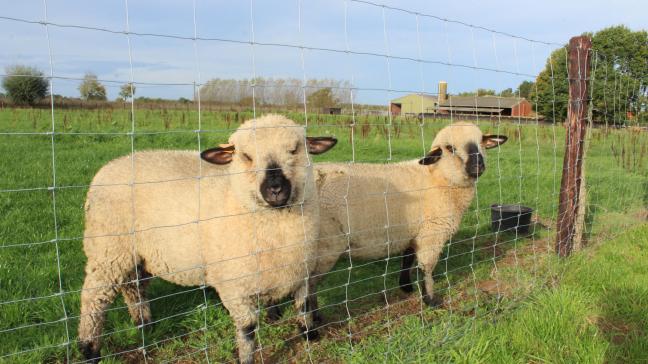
{"points": [[274, 313], [433, 302], [90, 353], [310, 335]]}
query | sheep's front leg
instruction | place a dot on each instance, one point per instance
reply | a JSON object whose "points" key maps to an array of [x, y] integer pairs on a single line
{"points": [[305, 309], [427, 254], [245, 318]]}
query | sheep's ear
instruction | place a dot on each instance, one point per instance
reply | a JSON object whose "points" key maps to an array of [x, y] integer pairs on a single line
{"points": [[491, 141], [220, 155], [432, 157], [319, 145]]}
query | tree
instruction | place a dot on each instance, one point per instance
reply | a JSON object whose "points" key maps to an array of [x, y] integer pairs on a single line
{"points": [[271, 91], [551, 92], [507, 92], [91, 89], [322, 98], [24, 84], [619, 74], [486, 92], [524, 90], [479, 92], [127, 91]]}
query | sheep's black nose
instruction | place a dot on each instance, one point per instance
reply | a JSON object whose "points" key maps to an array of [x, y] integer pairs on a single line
{"points": [[274, 189], [475, 165]]}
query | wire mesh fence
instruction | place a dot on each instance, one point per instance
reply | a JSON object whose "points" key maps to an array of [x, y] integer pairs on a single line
{"points": [[205, 230]]}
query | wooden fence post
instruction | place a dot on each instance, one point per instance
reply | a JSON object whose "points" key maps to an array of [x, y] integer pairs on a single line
{"points": [[578, 69]]}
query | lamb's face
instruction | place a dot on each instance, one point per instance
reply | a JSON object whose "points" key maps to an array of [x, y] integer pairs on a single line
{"points": [[276, 165], [458, 148], [269, 161]]}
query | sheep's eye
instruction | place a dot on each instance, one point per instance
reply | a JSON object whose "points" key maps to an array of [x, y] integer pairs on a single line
{"points": [[294, 151], [450, 148], [247, 157]]}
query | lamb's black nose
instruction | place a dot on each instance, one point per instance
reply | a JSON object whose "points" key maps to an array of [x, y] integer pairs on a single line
{"points": [[275, 190], [275, 187]]}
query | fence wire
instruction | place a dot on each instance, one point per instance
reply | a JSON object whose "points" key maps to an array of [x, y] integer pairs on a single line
{"points": [[486, 266]]}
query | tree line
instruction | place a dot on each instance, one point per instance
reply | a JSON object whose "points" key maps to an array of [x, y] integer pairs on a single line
{"points": [[26, 85], [277, 91], [618, 80], [619, 84]]}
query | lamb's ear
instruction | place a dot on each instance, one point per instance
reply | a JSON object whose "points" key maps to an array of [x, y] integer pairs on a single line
{"points": [[491, 141], [319, 145], [432, 157], [219, 155]]}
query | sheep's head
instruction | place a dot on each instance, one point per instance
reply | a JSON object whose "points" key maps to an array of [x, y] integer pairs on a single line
{"points": [[458, 148], [268, 161]]}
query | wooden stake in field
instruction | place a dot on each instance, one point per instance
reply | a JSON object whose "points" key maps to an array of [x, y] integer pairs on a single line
{"points": [[578, 70]]}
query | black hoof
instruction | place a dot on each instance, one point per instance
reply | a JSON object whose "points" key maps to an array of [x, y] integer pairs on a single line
{"points": [[90, 353], [311, 335], [435, 301], [274, 313]]}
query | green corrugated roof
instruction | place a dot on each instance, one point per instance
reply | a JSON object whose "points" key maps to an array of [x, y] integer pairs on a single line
{"points": [[469, 101]]}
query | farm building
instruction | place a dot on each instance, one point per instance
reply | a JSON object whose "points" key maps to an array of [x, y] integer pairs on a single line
{"points": [[331, 110], [417, 104]]}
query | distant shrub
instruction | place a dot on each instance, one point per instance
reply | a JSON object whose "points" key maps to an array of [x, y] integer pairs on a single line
{"points": [[91, 89], [24, 84]]}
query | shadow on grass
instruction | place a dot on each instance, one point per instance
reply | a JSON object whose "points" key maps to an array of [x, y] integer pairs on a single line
{"points": [[470, 259]]}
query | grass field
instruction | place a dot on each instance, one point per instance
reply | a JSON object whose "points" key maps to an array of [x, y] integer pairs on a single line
{"points": [[506, 297]]}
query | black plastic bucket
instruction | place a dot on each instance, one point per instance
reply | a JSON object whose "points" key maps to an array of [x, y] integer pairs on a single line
{"points": [[511, 218]]}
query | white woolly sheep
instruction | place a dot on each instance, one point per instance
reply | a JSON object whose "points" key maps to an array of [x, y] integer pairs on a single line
{"points": [[374, 211], [246, 227]]}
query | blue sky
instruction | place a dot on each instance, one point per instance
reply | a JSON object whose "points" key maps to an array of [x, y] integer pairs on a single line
{"points": [[172, 65]]}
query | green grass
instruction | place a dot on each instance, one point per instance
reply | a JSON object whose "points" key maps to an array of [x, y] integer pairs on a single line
{"points": [[595, 314], [40, 230]]}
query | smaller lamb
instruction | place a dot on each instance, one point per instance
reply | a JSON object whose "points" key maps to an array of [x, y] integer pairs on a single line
{"points": [[374, 211], [246, 227]]}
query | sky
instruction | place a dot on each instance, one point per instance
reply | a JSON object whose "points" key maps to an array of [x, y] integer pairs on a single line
{"points": [[385, 53]]}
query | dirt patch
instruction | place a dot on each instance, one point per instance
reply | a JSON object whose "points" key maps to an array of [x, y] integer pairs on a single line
{"points": [[133, 357], [490, 286], [617, 331], [641, 215]]}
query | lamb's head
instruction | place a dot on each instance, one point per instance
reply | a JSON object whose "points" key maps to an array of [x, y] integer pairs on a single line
{"points": [[458, 150], [268, 161]]}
